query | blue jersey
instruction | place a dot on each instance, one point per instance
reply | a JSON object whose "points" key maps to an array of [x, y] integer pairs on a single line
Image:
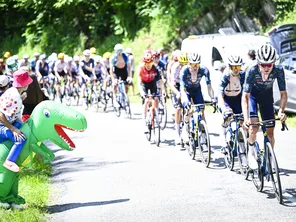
{"points": [[186, 81], [255, 85], [90, 63], [113, 60], [162, 65], [231, 85]]}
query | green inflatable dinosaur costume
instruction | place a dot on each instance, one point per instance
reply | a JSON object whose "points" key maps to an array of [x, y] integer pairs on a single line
{"points": [[46, 123]]}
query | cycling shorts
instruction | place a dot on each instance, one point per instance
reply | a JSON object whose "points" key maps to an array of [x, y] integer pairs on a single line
{"points": [[234, 103], [152, 86]]}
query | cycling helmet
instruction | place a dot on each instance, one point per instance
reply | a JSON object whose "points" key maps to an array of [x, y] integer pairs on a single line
{"points": [[182, 57], [4, 80], [235, 60], [43, 57], [107, 55], [76, 58], [266, 54], [118, 47], [98, 58], [175, 54], [155, 54], [6, 55], [25, 56], [93, 50], [61, 55], [193, 57], [15, 57], [128, 50], [86, 52], [69, 59], [36, 54], [148, 57]]}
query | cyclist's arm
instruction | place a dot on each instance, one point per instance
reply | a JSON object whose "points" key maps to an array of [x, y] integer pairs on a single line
{"points": [[171, 83], [282, 87], [39, 76], [245, 105], [208, 81], [56, 71]]}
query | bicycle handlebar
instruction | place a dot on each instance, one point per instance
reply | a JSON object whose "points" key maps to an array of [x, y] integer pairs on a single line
{"points": [[265, 122]]}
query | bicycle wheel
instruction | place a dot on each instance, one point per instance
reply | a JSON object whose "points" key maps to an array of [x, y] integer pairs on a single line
{"points": [[156, 129], [204, 143], [117, 106], [149, 126], [163, 118], [228, 157], [242, 145], [257, 174], [67, 97], [274, 173]]}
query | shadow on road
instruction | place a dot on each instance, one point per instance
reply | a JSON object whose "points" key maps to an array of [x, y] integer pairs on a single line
{"points": [[64, 207], [286, 172]]}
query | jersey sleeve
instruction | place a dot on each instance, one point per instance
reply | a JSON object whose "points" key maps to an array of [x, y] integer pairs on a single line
{"points": [[182, 77], [249, 81], [281, 79], [224, 80], [207, 76]]}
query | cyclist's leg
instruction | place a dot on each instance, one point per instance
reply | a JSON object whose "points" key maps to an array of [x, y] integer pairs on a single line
{"points": [[224, 126], [267, 112], [177, 106], [198, 99]]}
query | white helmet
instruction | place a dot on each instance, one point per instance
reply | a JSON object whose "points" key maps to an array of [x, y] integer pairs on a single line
{"points": [[4, 80], [193, 57], [128, 50], [266, 54], [25, 56], [176, 53], [76, 58], [235, 60], [15, 57], [98, 58], [69, 59], [118, 47], [86, 52], [36, 54]]}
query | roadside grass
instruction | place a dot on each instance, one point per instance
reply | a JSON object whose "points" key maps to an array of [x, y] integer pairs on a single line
{"points": [[34, 187], [291, 121]]}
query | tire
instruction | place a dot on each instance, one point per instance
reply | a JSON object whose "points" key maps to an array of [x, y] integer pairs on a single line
{"points": [[229, 158], [242, 140], [274, 173], [156, 129], [257, 175], [148, 134], [163, 116], [205, 148]]}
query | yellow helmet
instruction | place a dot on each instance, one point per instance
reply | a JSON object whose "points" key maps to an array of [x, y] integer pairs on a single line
{"points": [[93, 50], [6, 55], [61, 55], [182, 58], [107, 55]]}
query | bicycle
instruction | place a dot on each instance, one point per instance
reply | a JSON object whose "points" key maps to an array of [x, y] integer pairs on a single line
{"points": [[267, 163], [92, 95], [122, 100], [198, 134], [163, 118], [152, 120], [237, 143]]}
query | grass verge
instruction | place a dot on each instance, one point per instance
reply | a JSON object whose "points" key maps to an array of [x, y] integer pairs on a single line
{"points": [[34, 187]]}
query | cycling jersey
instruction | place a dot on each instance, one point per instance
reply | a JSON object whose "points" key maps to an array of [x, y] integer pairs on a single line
{"points": [[186, 80], [33, 65], [113, 60], [42, 68], [261, 92], [149, 75], [100, 69], [175, 72], [90, 63], [60, 67]]}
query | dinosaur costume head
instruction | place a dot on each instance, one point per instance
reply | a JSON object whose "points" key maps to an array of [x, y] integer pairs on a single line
{"points": [[50, 118], [46, 123]]}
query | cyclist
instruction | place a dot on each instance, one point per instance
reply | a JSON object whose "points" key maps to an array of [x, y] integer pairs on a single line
{"points": [[131, 58], [258, 91], [106, 59], [34, 62], [120, 68], [101, 74], [42, 68], [6, 55], [174, 84], [172, 61], [148, 75], [190, 78], [230, 94], [11, 66], [60, 70], [25, 62]]}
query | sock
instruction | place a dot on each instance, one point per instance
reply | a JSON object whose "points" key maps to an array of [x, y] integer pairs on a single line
{"points": [[178, 129]]}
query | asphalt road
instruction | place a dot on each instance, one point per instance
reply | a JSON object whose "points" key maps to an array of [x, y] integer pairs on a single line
{"points": [[116, 175]]}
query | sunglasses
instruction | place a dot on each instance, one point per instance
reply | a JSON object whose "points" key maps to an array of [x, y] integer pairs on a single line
{"points": [[266, 65], [235, 67], [194, 65], [148, 63]]}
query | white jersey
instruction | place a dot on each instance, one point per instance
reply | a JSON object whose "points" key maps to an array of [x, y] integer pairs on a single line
{"points": [[175, 72], [60, 66]]}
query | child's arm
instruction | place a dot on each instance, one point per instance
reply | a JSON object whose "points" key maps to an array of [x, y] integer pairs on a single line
{"points": [[18, 134]]}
